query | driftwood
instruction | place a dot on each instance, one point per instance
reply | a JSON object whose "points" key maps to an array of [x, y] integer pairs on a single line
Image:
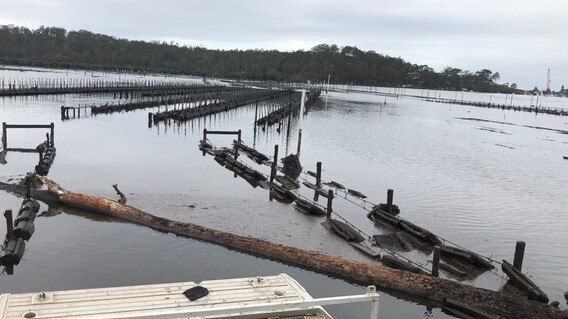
{"points": [[122, 199], [427, 289]]}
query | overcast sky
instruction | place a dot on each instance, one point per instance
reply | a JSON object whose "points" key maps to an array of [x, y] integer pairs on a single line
{"points": [[519, 39]]}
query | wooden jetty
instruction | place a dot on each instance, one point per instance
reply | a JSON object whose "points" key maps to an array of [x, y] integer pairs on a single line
{"points": [[277, 297], [427, 289]]}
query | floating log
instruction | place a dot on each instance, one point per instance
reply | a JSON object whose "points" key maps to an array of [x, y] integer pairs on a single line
{"points": [[469, 256], [523, 282], [398, 263], [425, 288]]}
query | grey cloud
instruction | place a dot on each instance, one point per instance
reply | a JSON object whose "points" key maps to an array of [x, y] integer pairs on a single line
{"points": [[520, 39]]}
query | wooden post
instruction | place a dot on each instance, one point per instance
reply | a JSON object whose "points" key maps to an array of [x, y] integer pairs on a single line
{"points": [[4, 137], [318, 180], [9, 224], [256, 113], [299, 142], [519, 255], [150, 119], [436, 261], [204, 135], [62, 113], [275, 162], [272, 173], [52, 135], [329, 203], [390, 195]]}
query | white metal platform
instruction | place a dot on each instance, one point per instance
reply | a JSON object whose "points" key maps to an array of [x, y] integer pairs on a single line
{"points": [[261, 297]]}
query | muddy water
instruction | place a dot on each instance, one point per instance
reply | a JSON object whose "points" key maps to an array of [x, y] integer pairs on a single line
{"points": [[483, 185]]}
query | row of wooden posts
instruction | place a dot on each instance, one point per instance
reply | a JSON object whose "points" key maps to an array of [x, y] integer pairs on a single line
{"points": [[516, 276], [6, 126], [61, 86]]}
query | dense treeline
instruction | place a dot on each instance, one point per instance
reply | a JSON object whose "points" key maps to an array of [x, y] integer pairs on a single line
{"points": [[56, 47]]}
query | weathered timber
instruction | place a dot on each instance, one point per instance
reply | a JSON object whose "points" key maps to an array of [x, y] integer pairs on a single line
{"points": [[523, 282], [13, 251], [425, 289], [394, 262], [465, 255], [378, 214]]}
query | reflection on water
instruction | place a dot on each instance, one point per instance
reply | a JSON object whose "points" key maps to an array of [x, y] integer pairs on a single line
{"points": [[449, 176]]}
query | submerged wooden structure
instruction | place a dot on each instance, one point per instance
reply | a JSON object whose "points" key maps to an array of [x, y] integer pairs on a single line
{"points": [[427, 289]]}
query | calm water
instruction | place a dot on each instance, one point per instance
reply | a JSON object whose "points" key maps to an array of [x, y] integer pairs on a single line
{"points": [[480, 184]]}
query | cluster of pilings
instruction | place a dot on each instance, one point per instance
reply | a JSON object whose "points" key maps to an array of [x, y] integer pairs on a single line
{"points": [[532, 109], [291, 109], [76, 86], [202, 95], [228, 101], [455, 260], [18, 232]]}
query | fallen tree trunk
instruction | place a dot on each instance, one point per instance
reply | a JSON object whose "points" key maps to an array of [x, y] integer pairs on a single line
{"points": [[426, 288]]}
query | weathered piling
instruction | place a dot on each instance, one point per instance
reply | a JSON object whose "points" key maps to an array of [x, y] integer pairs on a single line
{"points": [[519, 255], [9, 223], [436, 261], [318, 180]]}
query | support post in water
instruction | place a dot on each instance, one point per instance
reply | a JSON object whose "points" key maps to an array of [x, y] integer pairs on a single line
{"points": [[4, 137], [436, 261], [329, 208], [519, 255], [318, 180], [390, 196], [275, 161], [150, 119], [9, 224], [52, 133], [299, 142]]}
